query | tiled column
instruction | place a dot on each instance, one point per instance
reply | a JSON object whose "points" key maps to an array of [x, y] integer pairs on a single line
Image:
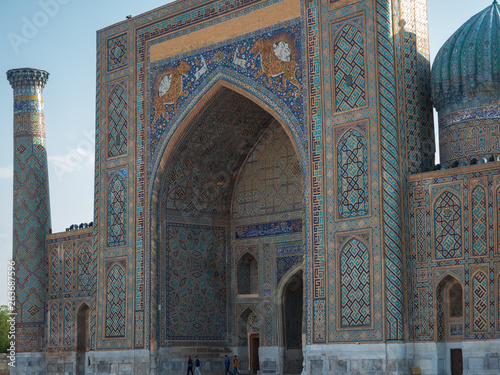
{"points": [[31, 219]]}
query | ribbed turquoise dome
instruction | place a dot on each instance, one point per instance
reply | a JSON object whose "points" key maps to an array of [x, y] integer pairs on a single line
{"points": [[468, 64]]}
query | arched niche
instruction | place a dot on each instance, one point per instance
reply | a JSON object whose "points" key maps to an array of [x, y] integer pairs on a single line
{"points": [[449, 309], [248, 275], [82, 337]]}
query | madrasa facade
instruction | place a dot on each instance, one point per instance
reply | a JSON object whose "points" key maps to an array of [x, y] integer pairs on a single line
{"points": [[265, 187]]}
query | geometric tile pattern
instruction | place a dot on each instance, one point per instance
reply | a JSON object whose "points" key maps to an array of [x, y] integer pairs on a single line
{"points": [[480, 302], [479, 222], [253, 324], [117, 203], [268, 188], [352, 177], [198, 178], [470, 196], [268, 324], [68, 267], [283, 193], [423, 306], [84, 267], [55, 267], [195, 278], [497, 217], [475, 138], [139, 329], [420, 228], [448, 226], [355, 285], [68, 324], [319, 310], [415, 106], [283, 265], [61, 305], [390, 172], [349, 65], [31, 209], [117, 52], [248, 275], [98, 190], [316, 323], [116, 292], [498, 302], [117, 120], [54, 324], [244, 323]]}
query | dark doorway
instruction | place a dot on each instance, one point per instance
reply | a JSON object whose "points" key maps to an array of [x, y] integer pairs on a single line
{"points": [[254, 352], [456, 362], [292, 311], [82, 338], [248, 341]]}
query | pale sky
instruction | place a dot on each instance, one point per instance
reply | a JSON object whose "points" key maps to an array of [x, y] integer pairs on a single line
{"points": [[64, 45]]}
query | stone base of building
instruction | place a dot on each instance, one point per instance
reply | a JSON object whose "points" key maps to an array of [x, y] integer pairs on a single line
{"points": [[174, 360], [139, 362], [357, 359], [29, 364], [478, 358]]}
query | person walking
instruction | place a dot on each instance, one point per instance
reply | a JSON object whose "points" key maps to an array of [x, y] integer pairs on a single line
{"points": [[190, 366], [197, 366], [235, 366], [227, 363]]}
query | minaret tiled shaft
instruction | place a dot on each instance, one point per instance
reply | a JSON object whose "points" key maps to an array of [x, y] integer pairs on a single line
{"points": [[31, 209]]}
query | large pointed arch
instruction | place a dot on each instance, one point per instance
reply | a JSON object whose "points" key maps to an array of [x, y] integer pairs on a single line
{"points": [[192, 109], [187, 114]]}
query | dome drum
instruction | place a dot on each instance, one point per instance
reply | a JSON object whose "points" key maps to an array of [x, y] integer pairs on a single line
{"points": [[468, 134]]}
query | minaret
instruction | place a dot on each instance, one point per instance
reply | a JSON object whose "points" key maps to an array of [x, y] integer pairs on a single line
{"points": [[31, 219]]}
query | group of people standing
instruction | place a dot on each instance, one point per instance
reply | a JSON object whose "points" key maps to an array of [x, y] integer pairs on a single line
{"points": [[227, 364]]}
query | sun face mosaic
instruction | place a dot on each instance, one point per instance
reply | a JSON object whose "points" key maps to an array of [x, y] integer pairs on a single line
{"points": [[272, 60]]}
